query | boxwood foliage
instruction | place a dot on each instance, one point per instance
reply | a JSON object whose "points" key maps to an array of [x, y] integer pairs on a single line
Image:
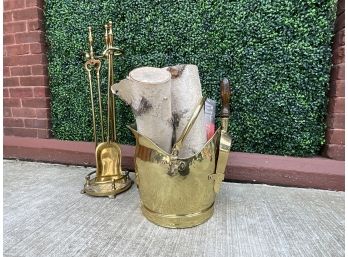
{"points": [[275, 53]]}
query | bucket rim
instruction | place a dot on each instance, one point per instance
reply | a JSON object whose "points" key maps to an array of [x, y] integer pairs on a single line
{"points": [[159, 149]]}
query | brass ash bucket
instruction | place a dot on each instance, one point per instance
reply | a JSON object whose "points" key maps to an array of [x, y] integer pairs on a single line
{"points": [[180, 193]]}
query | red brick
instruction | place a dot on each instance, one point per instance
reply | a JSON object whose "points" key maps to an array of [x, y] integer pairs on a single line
{"points": [[7, 112], [6, 71], [336, 120], [7, 17], [337, 88], [20, 132], [36, 123], [35, 25], [20, 70], [29, 37], [21, 92], [339, 39], [13, 122], [5, 92], [339, 24], [340, 6], [23, 112], [39, 70], [14, 50], [38, 3], [43, 133], [37, 48], [25, 60], [12, 102], [338, 55], [336, 105], [9, 39], [334, 152], [11, 82], [337, 72], [34, 81], [335, 136], [28, 14], [44, 113], [41, 92], [14, 4], [36, 102], [14, 27]]}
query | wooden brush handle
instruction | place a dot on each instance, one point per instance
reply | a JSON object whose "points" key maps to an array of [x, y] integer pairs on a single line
{"points": [[225, 91]]}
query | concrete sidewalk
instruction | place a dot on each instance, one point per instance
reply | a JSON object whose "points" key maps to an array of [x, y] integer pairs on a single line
{"points": [[45, 215]]}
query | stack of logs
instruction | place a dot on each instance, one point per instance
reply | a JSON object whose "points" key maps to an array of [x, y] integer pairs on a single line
{"points": [[162, 101]]}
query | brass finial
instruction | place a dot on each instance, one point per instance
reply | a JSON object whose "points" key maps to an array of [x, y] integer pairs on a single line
{"points": [[110, 34], [90, 42], [106, 35]]}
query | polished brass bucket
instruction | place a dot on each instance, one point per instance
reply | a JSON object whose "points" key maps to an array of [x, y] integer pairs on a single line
{"points": [[180, 193]]}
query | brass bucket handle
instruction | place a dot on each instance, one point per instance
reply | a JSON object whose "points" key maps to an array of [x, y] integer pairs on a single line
{"points": [[176, 165], [177, 146]]}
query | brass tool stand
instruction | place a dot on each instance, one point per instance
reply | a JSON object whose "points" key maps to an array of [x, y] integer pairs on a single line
{"points": [[109, 179]]}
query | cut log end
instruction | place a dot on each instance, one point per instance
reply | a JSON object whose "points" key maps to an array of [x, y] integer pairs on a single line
{"points": [[149, 75]]}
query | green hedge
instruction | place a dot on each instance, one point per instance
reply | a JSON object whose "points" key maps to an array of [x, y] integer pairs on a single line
{"points": [[275, 53]]}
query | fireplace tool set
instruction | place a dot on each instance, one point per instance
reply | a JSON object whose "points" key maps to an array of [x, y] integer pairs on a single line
{"points": [[109, 179], [175, 192]]}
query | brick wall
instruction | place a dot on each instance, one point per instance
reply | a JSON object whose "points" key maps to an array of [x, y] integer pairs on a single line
{"points": [[335, 143], [25, 91]]}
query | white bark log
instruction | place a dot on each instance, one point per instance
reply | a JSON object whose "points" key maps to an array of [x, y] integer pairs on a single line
{"points": [[186, 92], [162, 106], [148, 91]]}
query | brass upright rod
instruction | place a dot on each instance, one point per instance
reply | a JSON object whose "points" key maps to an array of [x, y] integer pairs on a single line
{"points": [[108, 95], [92, 104], [90, 42], [96, 64], [88, 68], [111, 100], [111, 64], [100, 103]]}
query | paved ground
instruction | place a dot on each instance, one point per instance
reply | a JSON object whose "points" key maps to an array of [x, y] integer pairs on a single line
{"points": [[45, 215]]}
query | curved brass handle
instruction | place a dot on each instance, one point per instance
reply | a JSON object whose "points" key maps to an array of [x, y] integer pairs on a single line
{"points": [[88, 66], [92, 63], [114, 51], [177, 146]]}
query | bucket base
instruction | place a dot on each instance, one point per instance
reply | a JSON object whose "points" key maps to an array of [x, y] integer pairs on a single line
{"points": [[108, 187], [178, 221]]}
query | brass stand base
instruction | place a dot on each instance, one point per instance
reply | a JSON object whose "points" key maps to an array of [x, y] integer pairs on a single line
{"points": [[108, 186], [178, 221]]}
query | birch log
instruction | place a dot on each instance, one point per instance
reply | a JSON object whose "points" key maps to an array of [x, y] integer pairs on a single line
{"points": [[148, 91], [186, 92]]}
